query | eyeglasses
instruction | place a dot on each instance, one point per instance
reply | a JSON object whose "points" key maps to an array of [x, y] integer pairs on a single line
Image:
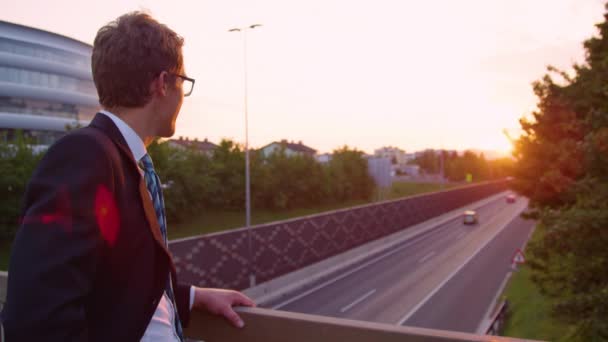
{"points": [[187, 84]]}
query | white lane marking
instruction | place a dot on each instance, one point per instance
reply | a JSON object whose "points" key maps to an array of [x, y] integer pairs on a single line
{"points": [[346, 274], [432, 293], [426, 257], [460, 235], [485, 320], [359, 300]]}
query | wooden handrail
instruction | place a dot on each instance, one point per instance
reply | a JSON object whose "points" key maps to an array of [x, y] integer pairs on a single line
{"points": [[278, 326]]}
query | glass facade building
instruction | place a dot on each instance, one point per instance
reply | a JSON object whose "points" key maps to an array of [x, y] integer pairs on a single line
{"points": [[46, 85]]}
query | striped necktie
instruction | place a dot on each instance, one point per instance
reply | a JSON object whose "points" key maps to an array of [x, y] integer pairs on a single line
{"points": [[153, 185]]}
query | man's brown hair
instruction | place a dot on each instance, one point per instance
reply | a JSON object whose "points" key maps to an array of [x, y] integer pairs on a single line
{"points": [[128, 53]]}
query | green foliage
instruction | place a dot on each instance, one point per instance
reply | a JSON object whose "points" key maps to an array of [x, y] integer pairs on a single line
{"points": [[5, 254], [196, 183], [289, 182], [404, 189], [228, 172], [219, 219], [570, 262], [456, 167], [562, 166], [429, 162], [347, 177], [530, 312], [186, 178], [17, 163], [549, 155]]}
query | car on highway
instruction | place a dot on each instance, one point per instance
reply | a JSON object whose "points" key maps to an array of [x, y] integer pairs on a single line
{"points": [[470, 217], [510, 198]]}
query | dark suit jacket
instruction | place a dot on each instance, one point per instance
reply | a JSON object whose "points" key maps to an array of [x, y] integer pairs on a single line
{"points": [[88, 262]]}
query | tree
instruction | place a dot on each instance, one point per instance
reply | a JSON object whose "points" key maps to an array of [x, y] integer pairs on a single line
{"points": [[188, 183], [549, 155], [17, 163], [428, 161], [228, 170], [457, 167], [290, 181], [562, 166], [347, 176]]}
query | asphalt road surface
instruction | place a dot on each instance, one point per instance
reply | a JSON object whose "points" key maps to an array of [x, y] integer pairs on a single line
{"points": [[447, 278]]}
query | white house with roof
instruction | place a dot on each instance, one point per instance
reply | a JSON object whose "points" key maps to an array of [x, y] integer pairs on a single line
{"points": [[395, 154], [290, 148], [205, 146], [323, 158]]}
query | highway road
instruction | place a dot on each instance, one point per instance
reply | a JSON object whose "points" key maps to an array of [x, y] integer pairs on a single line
{"points": [[447, 278]]}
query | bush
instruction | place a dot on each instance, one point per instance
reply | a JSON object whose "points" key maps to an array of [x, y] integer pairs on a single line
{"points": [[195, 182], [17, 163]]}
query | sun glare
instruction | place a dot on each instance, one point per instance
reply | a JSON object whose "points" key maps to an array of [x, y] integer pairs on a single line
{"points": [[502, 145]]}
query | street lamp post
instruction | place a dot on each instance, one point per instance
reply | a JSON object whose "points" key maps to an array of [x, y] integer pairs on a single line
{"points": [[442, 166], [244, 30]]}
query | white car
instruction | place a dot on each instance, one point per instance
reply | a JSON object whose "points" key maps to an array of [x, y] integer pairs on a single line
{"points": [[470, 217]]}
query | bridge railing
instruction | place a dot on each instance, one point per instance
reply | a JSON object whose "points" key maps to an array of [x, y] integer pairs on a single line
{"points": [[271, 325], [277, 326]]}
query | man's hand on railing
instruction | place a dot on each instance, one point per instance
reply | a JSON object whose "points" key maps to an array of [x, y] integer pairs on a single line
{"points": [[220, 302]]}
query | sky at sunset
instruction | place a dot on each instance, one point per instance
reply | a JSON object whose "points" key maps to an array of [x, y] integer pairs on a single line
{"points": [[412, 74]]}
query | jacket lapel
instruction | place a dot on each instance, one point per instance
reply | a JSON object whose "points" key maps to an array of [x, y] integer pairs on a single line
{"points": [[150, 213], [152, 218], [106, 125]]}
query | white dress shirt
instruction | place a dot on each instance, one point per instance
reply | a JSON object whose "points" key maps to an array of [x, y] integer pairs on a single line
{"points": [[162, 325]]}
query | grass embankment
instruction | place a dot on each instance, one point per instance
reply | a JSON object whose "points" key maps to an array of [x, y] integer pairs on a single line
{"points": [[220, 220], [530, 311], [403, 189]]}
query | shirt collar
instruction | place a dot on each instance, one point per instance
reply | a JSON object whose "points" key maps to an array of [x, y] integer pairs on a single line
{"points": [[136, 145]]}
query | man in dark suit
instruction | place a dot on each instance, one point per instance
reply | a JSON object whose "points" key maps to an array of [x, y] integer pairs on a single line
{"points": [[90, 260]]}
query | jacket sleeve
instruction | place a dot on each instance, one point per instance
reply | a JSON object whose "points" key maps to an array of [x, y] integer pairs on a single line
{"points": [[58, 244], [182, 300]]}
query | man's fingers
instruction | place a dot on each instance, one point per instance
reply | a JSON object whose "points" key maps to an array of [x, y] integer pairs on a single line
{"points": [[233, 317], [241, 299]]}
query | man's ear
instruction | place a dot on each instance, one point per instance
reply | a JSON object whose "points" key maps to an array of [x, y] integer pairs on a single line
{"points": [[159, 84]]}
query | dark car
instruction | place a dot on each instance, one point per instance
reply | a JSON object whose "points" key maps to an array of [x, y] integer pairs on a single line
{"points": [[470, 217], [510, 198]]}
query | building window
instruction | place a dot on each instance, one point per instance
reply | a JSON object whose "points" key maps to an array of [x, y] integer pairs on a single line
{"points": [[36, 107], [43, 52], [46, 80]]}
